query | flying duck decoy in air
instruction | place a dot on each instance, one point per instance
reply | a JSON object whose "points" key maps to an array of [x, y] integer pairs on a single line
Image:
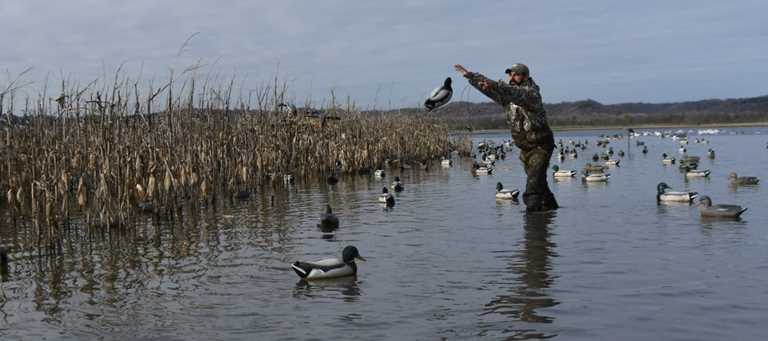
{"points": [[719, 211], [328, 220], [663, 195], [735, 179], [440, 96], [331, 267], [502, 193], [386, 197]]}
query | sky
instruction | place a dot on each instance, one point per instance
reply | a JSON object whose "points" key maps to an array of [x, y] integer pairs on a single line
{"points": [[389, 54]]}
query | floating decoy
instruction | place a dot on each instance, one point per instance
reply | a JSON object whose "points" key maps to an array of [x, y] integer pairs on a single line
{"points": [[329, 268], [439, 96], [697, 173], [612, 162], [502, 193], [332, 179], [590, 168], [645, 149], [596, 177], [379, 173], [328, 220], [719, 211], [663, 195], [595, 157], [446, 162], [397, 186], [711, 153], [621, 152], [386, 197], [735, 179], [565, 173], [667, 160]]}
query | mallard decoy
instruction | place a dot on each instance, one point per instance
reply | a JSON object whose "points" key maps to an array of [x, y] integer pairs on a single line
{"points": [[612, 162], [565, 173], [645, 149], [328, 220], [596, 177], [379, 173], [502, 193], [719, 211], [621, 152], [735, 179], [439, 96], [666, 160], [663, 195], [386, 197], [446, 162], [697, 173], [711, 154], [397, 185], [329, 268]]}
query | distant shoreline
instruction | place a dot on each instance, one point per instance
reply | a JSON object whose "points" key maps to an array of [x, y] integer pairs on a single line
{"points": [[638, 126]]}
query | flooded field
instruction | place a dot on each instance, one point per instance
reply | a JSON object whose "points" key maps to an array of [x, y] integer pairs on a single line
{"points": [[448, 261]]}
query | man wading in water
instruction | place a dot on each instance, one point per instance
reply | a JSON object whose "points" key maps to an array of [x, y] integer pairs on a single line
{"points": [[528, 121]]}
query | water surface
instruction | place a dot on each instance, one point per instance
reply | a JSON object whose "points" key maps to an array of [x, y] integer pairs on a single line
{"points": [[448, 261]]}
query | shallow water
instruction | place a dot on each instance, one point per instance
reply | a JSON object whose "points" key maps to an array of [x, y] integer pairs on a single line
{"points": [[448, 261]]}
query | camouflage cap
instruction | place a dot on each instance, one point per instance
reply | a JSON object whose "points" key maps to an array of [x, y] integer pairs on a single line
{"points": [[518, 68]]}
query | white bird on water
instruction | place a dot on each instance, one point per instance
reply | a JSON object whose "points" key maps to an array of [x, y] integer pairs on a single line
{"points": [[440, 96]]}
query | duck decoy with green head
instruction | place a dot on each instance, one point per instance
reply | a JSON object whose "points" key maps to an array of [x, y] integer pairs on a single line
{"points": [[663, 195], [331, 267], [735, 179], [564, 173], [397, 185], [386, 197], [502, 193], [719, 211]]}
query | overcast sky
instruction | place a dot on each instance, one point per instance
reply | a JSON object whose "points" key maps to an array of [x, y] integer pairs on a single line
{"points": [[392, 53]]}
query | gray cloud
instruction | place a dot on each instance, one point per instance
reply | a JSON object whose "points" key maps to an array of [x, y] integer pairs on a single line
{"points": [[381, 53]]}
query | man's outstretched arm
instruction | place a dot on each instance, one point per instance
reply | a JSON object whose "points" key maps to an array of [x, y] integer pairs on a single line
{"points": [[500, 92]]}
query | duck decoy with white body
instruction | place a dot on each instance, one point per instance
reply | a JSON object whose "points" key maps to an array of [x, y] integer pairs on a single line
{"points": [[663, 195], [697, 173], [735, 179], [502, 193], [331, 267], [397, 185], [667, 160], [440, 96], [386, 197], [596, 177], [711, 154], [719, 211], [564, 173]]}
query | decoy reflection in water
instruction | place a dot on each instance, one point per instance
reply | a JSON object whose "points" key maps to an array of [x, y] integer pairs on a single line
{"points": [[529, 270], [347, 286]]}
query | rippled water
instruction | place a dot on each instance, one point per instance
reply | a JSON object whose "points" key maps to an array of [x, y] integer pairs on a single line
{"points": [[449, 261]]}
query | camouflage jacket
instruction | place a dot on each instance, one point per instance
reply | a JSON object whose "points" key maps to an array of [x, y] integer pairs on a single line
{"points": [[525, 111]]}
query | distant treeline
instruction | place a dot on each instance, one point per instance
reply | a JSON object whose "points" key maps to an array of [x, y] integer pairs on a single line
{"points": [[459, 115]]}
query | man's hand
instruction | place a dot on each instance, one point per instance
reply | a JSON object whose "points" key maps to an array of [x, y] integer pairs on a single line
{"points": [[461, 70], [484, 85]]}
